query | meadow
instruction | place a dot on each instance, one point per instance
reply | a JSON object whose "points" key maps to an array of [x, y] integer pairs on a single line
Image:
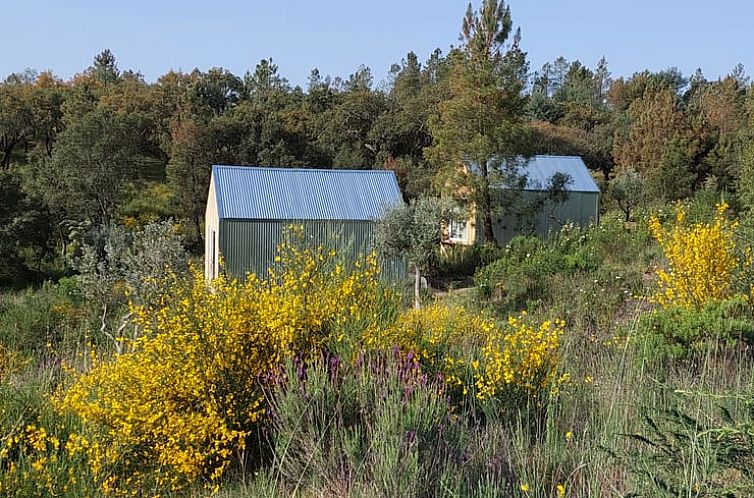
{"points": [[607, 361]]}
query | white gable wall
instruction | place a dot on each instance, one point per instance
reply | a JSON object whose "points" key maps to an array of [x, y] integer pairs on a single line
{"points": [[211, 235]]}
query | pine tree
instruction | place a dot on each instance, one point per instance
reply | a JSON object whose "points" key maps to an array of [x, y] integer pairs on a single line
{"points": [[481, 122]]}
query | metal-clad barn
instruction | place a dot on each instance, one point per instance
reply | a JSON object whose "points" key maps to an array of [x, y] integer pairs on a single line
{"points": [[580, 207], [249, 209]]}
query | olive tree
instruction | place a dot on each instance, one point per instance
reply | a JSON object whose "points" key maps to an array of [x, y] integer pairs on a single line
{"points": [[627, 188], [414, 231], [117, 264]]}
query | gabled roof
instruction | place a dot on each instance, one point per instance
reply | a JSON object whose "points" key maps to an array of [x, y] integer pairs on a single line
{"points": [[250, 192], [539, 170]]}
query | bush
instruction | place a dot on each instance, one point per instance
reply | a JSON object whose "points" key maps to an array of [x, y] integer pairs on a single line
{"points": [[510, 367], [117, 261], [519, 363], [34, 321], [679, 332], [522, 275], [186, 395], [701, 256], [459, 263]]}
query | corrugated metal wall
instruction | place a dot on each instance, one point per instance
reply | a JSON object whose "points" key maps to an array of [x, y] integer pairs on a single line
{"points": [[250, 246], [580, 208]]}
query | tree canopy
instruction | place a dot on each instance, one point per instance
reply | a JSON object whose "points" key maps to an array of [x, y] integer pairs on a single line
{"points": [[106, 145]]}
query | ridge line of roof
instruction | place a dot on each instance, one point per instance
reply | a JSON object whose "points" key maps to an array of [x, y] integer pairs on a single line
{"points": [[569, 156], [521, 156], [319, 170]]}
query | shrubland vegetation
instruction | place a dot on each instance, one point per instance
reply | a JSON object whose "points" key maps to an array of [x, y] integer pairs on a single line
{"points": [[608, 360]]}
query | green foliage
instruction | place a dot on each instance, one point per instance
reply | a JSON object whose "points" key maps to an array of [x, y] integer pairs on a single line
{"points": [[693, 455], [16, 119], [91, 164], [745, 187], [460, 262], [520, 276], [38, 322], [414, 232], [628, 189], [115, 261], [587, 276], [481, 122], [377, 428], [688, 333], [24, 231], [672, 178]]}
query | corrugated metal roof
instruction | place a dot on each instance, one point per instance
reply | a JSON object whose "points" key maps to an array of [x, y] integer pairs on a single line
{"points": [[260, 193], [539, 170]]}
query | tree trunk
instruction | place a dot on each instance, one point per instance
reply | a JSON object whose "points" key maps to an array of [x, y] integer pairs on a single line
{"points": [[5, 157], [199, 234], [626, 210], [417, 289], [486, 205]]}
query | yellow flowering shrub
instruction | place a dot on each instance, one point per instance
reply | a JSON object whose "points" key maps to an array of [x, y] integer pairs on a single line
{"points": [[32, 464], [520, 359], [702, 259], [474, 354], [439, 337], [176, 407]]}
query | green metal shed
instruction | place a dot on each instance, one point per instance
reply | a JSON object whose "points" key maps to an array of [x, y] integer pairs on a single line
{"points": [[249, 209], [581, 205]]}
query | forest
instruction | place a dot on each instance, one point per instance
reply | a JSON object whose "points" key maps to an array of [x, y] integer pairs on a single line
{"points": [[108, 147], [609, 360]]}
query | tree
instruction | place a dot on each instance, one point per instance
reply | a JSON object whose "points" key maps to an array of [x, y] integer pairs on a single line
{"points": [[342, 131], [116, 264], [92, 162], [481, 121], [672, 179], [745, 187], [400, 133], [105, 69], [24, 228], [627, 188], [195, 146], [215, 91], [16, 119], [652, 122], [47, 107], [414, 231], [594, 147], [264, 81]]}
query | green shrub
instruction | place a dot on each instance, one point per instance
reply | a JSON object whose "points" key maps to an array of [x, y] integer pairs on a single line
{"points": [[679, 332], [523, 273], [678, 453], [37, 319], [621, 243], [459, 263]]}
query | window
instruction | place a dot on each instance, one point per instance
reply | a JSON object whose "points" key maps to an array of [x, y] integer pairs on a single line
{"points": [[457, 231]]}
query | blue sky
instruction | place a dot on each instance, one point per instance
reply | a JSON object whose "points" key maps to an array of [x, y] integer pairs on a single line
{"points": [[337, 36]]}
